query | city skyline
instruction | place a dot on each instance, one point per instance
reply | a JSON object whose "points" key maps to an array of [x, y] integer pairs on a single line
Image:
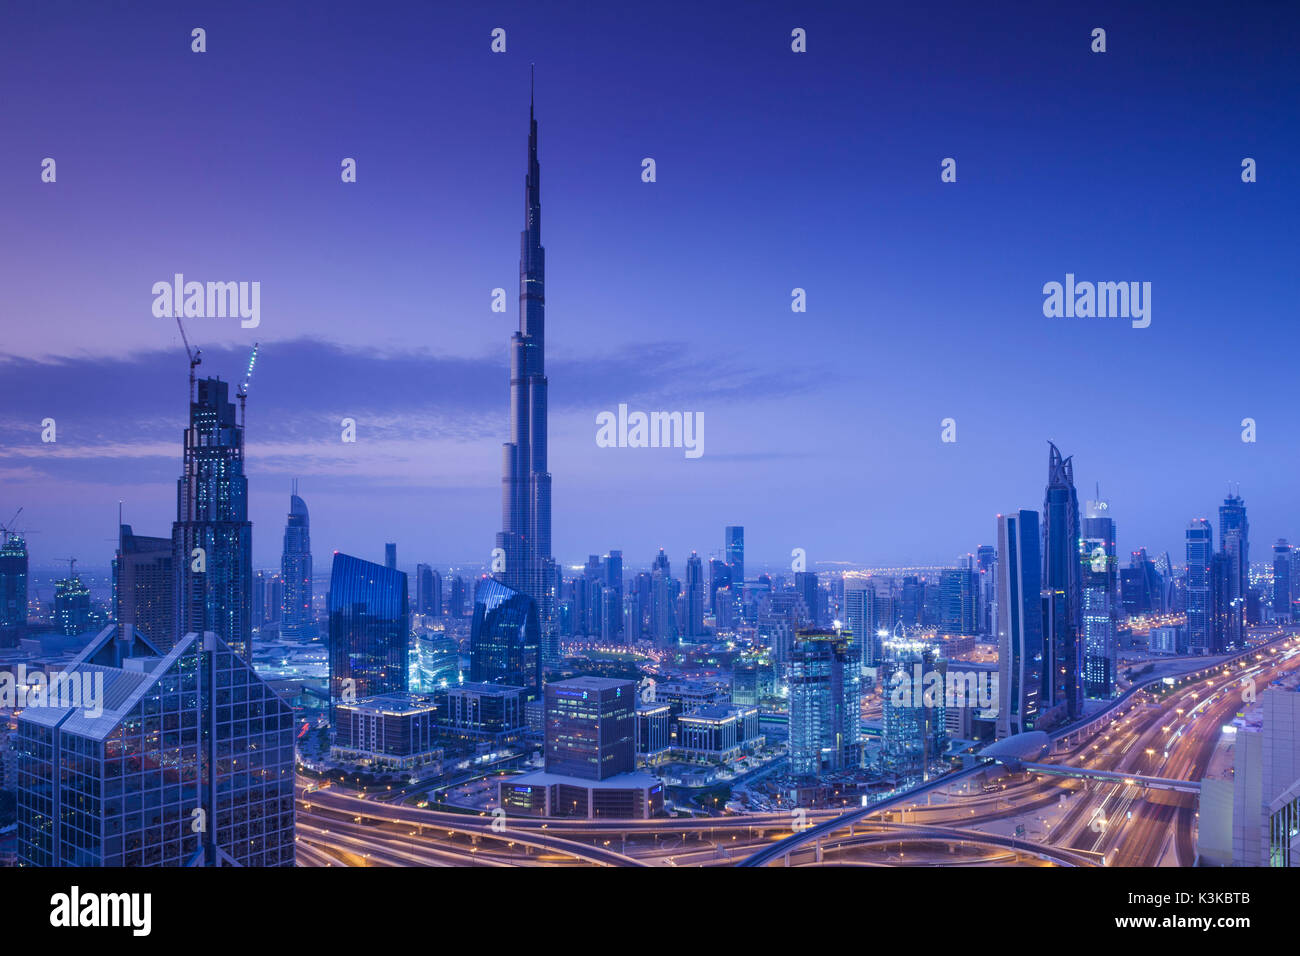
{"points": [[781, 408]]}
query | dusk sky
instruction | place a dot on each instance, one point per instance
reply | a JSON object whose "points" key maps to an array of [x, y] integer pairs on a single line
{"points": [[775, 170]]}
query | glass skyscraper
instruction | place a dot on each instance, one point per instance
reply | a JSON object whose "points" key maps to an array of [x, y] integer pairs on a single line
{"points": [[1062, 592], [370, 630], [504, 642], [591, 727], [913, 723], [13, 581], [1100, 571], [733, 543], [825, 702], [190, 762], [295, 571], [1019, 624], [1234, 542], [1200, 587], [212, 539], [525, 537]]}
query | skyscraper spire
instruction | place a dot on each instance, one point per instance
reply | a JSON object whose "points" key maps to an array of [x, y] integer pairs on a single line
{"points": [[525, 538]]}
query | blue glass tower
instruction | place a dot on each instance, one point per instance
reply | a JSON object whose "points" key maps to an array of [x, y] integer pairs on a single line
{"points": [[1062, 591], [370, 630], [1019, 624], [504, 641]]}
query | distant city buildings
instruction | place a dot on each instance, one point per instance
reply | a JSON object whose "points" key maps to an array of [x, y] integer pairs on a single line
{"points": [[13, 581]]}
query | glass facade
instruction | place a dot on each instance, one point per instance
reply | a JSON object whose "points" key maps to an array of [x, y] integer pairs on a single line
{"points": [[825, 702], [212, 539], [295, 572], [369, 628], [191, 761], [505, 638]]}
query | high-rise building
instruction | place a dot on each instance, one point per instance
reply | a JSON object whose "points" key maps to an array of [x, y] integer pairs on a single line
{"points": [[693, 596], [369, 628], [212, 538], [957, 587], [719, 577], [986, 558], [733, 545], [428, 591], [13, 581], [295, 571], [1100, 573], [1234, 541], [1200, 587], [72, 614], [390, 555], [126, 786], [456, 600], [805, 582], [525, 537], [504, 642], [1283, 561], [1062, 592], [1019, 624], [825, 703], [144, 587], [913, 722]]}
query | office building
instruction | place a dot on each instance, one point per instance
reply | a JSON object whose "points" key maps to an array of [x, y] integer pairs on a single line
{"points": [[212, 538], [388, 732], [144, 586], [1234, 542], [504, 638], [13, 581], [1062, 593], [369, 630], [1100, 612], [1019, 624], [825, 703], [184, 735], [1199, 596]]}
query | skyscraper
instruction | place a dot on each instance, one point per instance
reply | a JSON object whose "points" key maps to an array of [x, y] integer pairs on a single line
{"points": [[825, 703], [733, 544], [591, 727], [144, 587], [1283, 560], [1200, 587], [428, 591], [504, 641], [693, 596], [805, 582], [295, 571], [525, 538], [1019, 624], [212, 539], [72, 614], [390, 555], [1234, 541], [13, 581], [126, 786], [1062, 591], [1100, 571], [370, 630]]}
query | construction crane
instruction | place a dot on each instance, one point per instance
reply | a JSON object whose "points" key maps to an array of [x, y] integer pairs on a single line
{"points": [[243, 386], [10, 531], [195, 355], [72, 567]]}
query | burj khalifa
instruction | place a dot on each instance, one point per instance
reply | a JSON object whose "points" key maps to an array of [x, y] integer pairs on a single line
{"points": [[525, 540]]}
